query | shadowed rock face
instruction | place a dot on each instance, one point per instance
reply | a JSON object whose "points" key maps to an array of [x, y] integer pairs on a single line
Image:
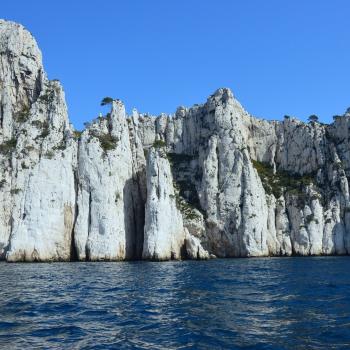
{"points": [[209, 180]]}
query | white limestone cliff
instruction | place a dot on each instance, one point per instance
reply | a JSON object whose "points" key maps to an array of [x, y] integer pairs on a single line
{"points": [[217, 181], [106, 227], [164, 236], [39, 183]]}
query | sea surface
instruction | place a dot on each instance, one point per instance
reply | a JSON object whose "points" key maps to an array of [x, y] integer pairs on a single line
{"points": [[266, 303]]}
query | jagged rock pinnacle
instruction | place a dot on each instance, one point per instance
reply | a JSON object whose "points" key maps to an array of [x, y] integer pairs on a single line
{"points": [[210, 180]]}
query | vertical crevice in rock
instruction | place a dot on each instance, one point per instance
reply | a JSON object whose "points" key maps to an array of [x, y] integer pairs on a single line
{"points": [[217, 198], [129, 220], [138, 220], [1, 114], [73, 251], [38, 86], [184, 255], [87, 251]]}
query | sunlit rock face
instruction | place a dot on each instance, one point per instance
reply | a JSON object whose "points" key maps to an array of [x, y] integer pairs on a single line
{"points": [[110, 190], [208, 181], [164, 230], [261, 187]]}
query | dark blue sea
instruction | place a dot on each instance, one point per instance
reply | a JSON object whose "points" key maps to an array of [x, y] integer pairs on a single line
{"points": [[272, 303]]}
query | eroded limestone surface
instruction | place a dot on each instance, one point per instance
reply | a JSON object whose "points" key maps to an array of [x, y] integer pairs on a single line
{"points": [[208, 181]]}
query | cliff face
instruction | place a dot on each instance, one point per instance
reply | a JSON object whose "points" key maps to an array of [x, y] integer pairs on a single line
{"points": [[210, 180]]}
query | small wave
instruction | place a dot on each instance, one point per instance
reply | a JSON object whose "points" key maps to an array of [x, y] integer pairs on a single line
{"points": [[224, 304]]}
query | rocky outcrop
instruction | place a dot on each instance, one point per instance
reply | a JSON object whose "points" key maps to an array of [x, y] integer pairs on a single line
{"points": [[263, 187], [110, 220], [38, 185], [164, 231], [208, 181]]}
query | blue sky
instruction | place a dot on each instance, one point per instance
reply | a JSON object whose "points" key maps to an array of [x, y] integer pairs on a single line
{"points": [[278, 57]]}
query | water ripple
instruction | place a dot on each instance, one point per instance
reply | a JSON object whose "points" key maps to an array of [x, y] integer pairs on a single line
{"points": [[287, 303]]}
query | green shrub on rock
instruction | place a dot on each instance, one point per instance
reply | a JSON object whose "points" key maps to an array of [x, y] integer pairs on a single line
{"points": [[8, 146], [282, 181], [107, 141], [159, 144], [23, 115]]}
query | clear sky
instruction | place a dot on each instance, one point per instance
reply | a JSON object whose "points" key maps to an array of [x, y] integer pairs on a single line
{"points": [[278, 57]]}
